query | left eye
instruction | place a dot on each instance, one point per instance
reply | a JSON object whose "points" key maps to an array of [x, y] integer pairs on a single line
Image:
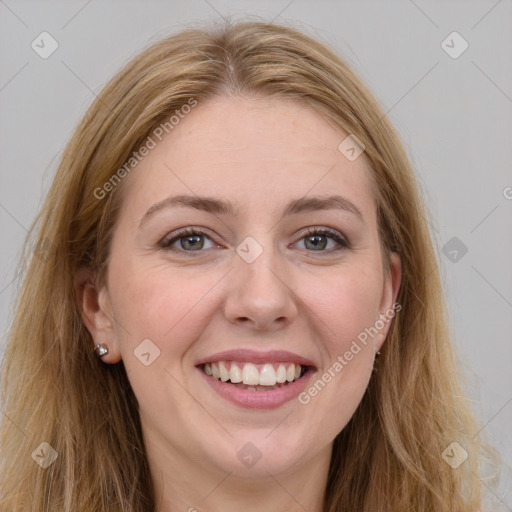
{"points": [[317, 239], [314, 239]]}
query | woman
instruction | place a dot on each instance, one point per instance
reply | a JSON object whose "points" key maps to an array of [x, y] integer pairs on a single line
{"points": [[234, 300]]}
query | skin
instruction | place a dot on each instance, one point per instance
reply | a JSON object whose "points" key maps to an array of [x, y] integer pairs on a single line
{"points": [[259, 153]]}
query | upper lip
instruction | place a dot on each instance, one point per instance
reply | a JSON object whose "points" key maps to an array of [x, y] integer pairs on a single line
{"points": [[253, 356]]}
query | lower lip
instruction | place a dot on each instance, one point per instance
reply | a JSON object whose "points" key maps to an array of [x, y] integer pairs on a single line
{"points": [[258, 399]]}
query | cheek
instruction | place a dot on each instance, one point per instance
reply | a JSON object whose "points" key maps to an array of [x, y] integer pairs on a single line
{"points": [[170, 307], [347, 305], [171, 310], [346, 310], [161, 304]]}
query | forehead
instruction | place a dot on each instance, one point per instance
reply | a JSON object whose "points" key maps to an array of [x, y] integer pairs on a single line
{"points": [[260, 127], [250, 149]]}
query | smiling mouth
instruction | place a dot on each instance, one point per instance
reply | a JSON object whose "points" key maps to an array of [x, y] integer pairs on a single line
{"points": [[255, 377]]}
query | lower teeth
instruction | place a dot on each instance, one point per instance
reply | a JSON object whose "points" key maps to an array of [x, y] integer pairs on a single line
{"points": [[258, 388]]}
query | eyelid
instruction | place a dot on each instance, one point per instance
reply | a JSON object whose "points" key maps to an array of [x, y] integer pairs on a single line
{"points": [[324, 230]]}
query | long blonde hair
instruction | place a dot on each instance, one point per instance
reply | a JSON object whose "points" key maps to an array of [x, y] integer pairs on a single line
{"points": [[54, 390]]}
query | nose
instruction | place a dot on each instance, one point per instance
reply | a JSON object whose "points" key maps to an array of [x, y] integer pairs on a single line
{"points": [[260, 295]]}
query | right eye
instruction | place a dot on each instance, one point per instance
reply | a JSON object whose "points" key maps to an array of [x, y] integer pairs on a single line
{"points": [[188, 240]]}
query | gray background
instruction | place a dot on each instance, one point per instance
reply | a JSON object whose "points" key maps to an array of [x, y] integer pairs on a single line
{"points": [[454, 114]]}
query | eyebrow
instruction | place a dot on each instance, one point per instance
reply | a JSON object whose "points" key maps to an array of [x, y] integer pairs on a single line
{"points": [[222, 207]]}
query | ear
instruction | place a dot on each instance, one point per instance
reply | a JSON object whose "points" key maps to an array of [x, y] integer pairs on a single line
{"points": [[388, 307], [96, 311]]}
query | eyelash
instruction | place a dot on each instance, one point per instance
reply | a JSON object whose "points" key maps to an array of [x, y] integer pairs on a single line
{"points": [[343, 243]]}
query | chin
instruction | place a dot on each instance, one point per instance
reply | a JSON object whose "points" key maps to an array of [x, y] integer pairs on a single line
{"points": [[259, 453]]}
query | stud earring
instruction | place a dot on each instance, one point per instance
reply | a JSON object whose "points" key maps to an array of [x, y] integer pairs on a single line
{"points": [[100, 350]]}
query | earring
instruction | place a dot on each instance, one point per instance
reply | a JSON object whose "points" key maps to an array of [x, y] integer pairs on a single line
{"points": [[101, 350], [378, 353]]}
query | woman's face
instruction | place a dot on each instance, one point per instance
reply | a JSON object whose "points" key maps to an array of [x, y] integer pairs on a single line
{"points": [[281, 275]]}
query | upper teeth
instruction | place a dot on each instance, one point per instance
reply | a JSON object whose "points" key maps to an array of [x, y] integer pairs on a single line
{"points": [[248, 373]]}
